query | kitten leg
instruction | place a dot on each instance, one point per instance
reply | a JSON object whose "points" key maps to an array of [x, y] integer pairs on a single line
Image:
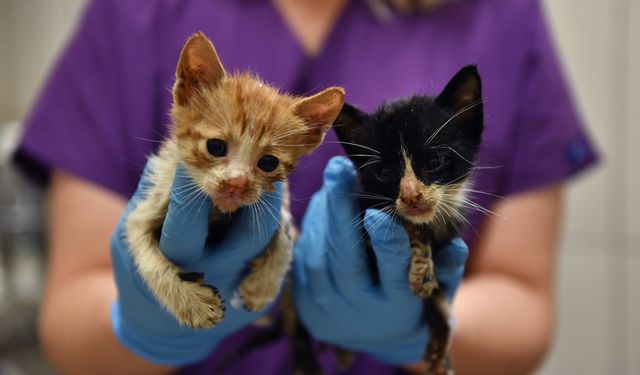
{"points": [[304, 358], [421, 272], [183, 294], [262, 285], [437, 316], [423, 282]]}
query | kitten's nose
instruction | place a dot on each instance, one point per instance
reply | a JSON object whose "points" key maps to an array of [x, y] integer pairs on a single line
{"points": [[410, 193], [237, 182]]}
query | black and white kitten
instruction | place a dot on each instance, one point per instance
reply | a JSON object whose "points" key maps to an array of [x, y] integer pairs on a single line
{"points": [[414, 157]]}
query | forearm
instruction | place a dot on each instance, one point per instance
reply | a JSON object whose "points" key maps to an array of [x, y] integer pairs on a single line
{"points": [[503, 327], [76, 333]]}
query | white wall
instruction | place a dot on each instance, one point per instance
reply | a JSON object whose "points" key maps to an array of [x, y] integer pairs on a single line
{"points": [[599, 307], [599, 328], [31, 34]]}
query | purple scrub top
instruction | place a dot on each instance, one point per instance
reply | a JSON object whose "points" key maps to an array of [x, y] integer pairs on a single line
{"points": [[106, 102]]}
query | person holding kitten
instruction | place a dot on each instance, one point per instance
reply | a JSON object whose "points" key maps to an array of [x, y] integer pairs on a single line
{"points": [[105, 107]]}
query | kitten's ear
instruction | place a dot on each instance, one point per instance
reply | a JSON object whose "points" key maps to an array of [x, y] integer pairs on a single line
{"points": [[463, 92], [348, 122], [318, 113], [198, 67]]}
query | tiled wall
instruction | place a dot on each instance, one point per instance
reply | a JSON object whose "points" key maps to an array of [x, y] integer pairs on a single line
{"points": [[599, 306]]}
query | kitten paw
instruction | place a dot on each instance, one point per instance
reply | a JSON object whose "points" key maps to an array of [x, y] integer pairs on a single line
{"points": [[195, 304], [422, 277], [256, 294]]}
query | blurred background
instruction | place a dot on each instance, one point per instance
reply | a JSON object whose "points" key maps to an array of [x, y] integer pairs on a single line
{"points": [[598, 304]]}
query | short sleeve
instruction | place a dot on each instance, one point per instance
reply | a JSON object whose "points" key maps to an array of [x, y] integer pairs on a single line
{"points": [[550, 143], [83, 120]]}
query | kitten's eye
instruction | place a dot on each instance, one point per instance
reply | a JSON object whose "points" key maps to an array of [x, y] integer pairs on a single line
{"points": [[268, 163], [384, 174], [434, 164], [216, 147]]}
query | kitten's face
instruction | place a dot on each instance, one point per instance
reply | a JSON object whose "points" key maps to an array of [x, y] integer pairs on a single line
{"points": [[414, 156], [236, 135]]}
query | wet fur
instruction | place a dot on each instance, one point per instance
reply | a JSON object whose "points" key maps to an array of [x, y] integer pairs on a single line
{"points": [[403, 136], [254, 120]]}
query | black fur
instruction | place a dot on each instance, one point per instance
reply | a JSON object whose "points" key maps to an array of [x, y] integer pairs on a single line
{"points": [[445, 128], [407, 124], [441, 138]]}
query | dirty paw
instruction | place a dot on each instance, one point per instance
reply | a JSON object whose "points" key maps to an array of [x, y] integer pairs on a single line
{"points": [[256, 296], [422, 278], [197, 305]]}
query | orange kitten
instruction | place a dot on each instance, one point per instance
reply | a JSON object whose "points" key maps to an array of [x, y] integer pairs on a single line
{"points": [[230, 132]]}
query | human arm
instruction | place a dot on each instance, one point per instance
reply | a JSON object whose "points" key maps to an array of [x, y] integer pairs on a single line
{"points": [[75, 320], [138, 320], [505, 308]]}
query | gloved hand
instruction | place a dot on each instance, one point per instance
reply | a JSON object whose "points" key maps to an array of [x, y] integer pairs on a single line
{"points": [[336, 298], [139, 322]]}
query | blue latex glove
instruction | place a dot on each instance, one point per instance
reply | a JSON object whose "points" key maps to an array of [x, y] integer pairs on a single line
{"points": [[139, 322], [335, 295]]}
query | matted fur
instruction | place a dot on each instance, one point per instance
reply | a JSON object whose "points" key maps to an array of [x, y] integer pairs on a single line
{"points": [[253, 120]]}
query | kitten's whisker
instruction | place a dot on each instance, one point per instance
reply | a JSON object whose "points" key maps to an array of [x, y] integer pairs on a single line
{"points": [[360, 217], [392, 213], [486, 193], [362, 237], [487, 167], [191, 202], [194, 192], [266, 211], [186, 189], [374, 227], [364, 195], [261, 210], [475, 206], [356, 145], [380, 220], [452, 211], [463, 110], [440, 216], [462, 218], [288, 145], [160, 135], [253, 221], [370, 162], [469, 204], [271, 209], [447, 147], [458, 179], [146, 139], [365, 155], [452, 206], [201, 203]]}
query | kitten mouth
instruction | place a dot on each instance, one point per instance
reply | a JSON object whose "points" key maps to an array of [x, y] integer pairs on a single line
{"points": [[228, 202], [417, 210], [418, 213]]}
